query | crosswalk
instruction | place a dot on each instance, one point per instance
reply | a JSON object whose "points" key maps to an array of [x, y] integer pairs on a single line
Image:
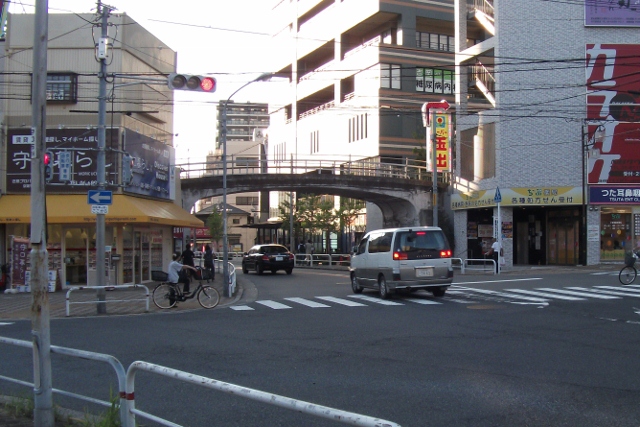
{"points": [[455, 294]]}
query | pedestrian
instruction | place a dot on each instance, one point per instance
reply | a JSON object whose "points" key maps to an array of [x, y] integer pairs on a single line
{"points": [[208, 263], [177, 273], [495, 251], [187, 257], [309, 249]]}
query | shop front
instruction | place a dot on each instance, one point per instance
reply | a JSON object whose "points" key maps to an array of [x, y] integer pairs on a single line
{"points": [[138, 238]]}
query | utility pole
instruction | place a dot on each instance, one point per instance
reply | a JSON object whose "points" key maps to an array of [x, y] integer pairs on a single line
{"points": [[40, 310], [103, 45]]}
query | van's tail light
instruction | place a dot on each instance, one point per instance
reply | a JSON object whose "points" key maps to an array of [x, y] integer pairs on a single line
{"points": [[291, 256], [399, 256], [445, 253], [265, 257]]}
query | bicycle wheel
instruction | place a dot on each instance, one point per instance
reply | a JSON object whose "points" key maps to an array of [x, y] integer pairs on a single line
{"points": [[208, 297], [164, 295], [627, 275]]}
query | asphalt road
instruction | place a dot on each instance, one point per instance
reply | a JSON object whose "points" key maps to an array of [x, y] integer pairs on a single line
{"points": [[480, 356]]}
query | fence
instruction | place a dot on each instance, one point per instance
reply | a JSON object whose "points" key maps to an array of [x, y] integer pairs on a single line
{"points": [[126, 385], [308, 260], [479, 264]]}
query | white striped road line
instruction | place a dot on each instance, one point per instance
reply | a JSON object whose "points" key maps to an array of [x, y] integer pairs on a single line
{"points": [[505, 295], [606, 273], [633, 286], [375, 300], [241, 308], [273, 304], [604, 292], [6, 323], [453, 285], [342, 301], [545, 295], [577, 294], [422, 301], [621, 289], [307, 302]]}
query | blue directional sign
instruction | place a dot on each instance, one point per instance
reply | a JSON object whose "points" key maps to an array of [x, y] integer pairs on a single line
{"points": [[498, 197], [99, 197]]}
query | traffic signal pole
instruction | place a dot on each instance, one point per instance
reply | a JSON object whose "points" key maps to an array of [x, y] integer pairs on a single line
{"points": [[40, 310]]}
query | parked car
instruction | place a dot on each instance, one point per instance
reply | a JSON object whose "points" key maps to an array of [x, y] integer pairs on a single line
{"points": [[268, 257], [408, 258]]}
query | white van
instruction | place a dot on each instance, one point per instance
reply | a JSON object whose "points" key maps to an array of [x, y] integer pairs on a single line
{"points": [[408, 258]]}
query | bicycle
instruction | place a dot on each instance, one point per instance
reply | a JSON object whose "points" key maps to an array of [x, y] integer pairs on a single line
{"points": [[167, 294], [628, 273]]}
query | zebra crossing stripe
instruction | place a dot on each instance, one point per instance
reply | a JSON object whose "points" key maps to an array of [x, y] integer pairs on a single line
{"points": [[307, 302], [375, 300], [422, 301], [605, 292], [622, 289], [506, 295], [342, 301], [578, 294], [545, 295], [273, 304], [241, 308]]}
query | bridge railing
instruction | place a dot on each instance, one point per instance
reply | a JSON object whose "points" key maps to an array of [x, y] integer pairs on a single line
{"points": [[337, 165]]}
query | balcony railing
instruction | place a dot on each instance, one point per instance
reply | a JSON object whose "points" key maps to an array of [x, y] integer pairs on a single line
{"points": [[373, 42], [484, 80], [484, 6], [317, 110]]}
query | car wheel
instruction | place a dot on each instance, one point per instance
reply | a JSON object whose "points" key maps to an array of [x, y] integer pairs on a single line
{"points": [[245, 270], [383, 289], [259, 269], [289, 270], [438, 292], [355, 287]]}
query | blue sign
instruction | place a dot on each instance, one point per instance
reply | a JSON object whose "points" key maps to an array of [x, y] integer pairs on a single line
{"points": [[99, 197], [614, 194], [498, 197]]}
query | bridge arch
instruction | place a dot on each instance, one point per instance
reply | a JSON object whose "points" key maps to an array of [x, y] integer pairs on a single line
{"points": [[403, 202]]}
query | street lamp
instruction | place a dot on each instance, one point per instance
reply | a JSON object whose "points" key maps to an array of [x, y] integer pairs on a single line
{"points": [[587, 142], [225, 237]]}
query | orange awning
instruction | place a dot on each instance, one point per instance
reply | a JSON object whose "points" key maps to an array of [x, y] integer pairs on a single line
{"points": [[74, 209]]}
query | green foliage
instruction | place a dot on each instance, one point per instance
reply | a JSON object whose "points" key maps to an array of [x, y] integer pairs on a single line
{"points": [[215, 225]]}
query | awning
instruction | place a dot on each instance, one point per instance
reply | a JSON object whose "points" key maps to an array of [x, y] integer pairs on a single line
{"points": [[74, 209]]}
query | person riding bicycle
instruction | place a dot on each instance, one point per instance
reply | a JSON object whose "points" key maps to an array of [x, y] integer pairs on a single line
{"points": [[175, 270]]}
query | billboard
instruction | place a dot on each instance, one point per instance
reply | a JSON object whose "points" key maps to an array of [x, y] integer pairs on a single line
{"points": [[443, 128], [613, 113], [610, 13], [81, 144], [153, 168]]}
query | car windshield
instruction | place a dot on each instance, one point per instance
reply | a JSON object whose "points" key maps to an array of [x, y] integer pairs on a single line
{"points": [[273, 249]]}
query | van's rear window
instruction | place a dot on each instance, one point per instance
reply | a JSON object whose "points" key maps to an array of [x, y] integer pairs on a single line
{"points": [[420, 240]]}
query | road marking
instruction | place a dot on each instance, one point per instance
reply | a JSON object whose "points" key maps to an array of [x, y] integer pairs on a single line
{"points": [[605, 273], [342, 301], [375, 300], [6, 323], [598, 291], [545, 295], [422, 301], [307, 302], [497, 281], [273, 304], [577, 294], [620, 288], [506, 295], [242, 308]]}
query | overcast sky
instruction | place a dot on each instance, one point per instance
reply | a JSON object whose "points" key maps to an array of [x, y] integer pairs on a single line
{"points": [[228, 39]]}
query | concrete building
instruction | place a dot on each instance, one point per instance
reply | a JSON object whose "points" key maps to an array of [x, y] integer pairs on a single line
{"points": [[140, 221], [360, 71], [553, 141]]}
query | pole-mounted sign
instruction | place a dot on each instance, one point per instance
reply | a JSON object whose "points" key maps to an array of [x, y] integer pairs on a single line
{"points": [[429, 110]]}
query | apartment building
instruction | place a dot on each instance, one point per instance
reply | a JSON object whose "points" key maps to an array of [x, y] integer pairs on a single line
{"points": [[144, 211], [556, 141], [359, 72]]}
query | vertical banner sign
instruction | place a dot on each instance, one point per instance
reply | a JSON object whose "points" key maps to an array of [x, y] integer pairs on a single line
{"points": [[20, 248], [443, 137]]}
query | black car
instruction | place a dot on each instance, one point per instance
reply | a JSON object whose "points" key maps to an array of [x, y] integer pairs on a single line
{"points": [[268, 257]]}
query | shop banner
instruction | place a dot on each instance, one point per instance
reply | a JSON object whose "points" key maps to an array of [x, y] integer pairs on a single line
{"points": [[153, 166], [609, 13], [20, 249], [521, 197], [611, 194]]}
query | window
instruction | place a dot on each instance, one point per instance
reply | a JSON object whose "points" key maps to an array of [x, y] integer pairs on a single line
{"points": [[315, 141], [390, 76], [62, 88], [358, 128], [236, 221], [247, 201], [434, 80], [380, 242], [441, 42]]}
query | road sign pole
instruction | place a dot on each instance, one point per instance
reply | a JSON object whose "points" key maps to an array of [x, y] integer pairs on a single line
{"points": [[497, 199], [429, 112]]}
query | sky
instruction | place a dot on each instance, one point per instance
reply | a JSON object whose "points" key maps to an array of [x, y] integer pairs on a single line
{"points": [[227, 39]]}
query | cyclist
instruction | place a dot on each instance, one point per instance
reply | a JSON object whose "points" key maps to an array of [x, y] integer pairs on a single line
{"points": [[175, 270]]}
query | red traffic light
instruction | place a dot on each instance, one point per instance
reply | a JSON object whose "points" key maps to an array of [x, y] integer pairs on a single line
{"points": [[48, 158], [192, 83]]}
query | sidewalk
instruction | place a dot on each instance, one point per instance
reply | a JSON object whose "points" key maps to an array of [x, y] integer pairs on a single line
{"points": [[129, 301]]}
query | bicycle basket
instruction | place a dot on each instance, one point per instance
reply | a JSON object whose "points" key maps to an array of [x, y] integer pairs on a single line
{"points": [[630, 259], [159, 276]]}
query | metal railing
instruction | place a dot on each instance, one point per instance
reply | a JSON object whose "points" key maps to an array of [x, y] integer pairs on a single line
{"points": [[68, 301], [471, 264], [308, 260], [126, 394]]}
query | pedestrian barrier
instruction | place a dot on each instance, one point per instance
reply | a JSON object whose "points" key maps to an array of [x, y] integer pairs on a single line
{"points": [[308, 260], [126, 385], [78, 288], [479, 264]]}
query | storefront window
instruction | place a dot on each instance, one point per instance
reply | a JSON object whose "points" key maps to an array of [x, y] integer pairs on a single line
{"points": [[615, 233], [127, 254]]}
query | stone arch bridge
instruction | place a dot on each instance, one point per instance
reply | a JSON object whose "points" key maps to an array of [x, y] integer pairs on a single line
{"points": [[402, 192]]}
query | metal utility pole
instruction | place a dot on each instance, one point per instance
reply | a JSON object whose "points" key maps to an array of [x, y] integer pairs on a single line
{"points": [[429, 120], [103, 44], [40, 315]]}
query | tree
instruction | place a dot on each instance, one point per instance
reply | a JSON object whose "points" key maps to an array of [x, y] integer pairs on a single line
{"points": [[215, 224]]}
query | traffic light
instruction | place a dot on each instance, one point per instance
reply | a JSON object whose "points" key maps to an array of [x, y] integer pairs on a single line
{"points": [[127, 169], [48, 165], [190, 82]]}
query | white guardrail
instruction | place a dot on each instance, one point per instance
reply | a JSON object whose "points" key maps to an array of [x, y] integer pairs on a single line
{"points": [[486, 265], [126, 385]]}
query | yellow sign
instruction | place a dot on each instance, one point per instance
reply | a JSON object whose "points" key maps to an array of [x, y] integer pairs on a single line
{"points": [[521, 197], [442, 123]]}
